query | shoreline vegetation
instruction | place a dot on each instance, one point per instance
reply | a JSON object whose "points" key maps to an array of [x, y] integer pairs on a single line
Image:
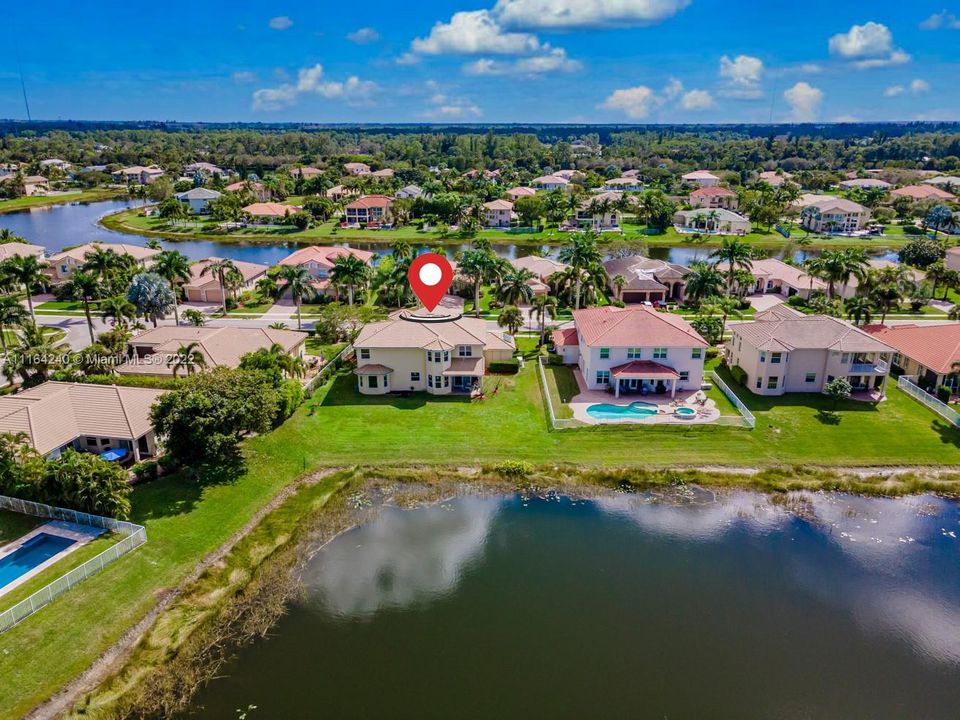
{"points": [[84, 196], [238, 599], [130, 222]]}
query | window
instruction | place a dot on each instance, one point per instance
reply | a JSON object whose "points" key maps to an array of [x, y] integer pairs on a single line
{"points": [[414, 377], [429, 380], [372, 381], [763, 356], [696, 353], [465, 351], [603, 377], [604, 353], [91, 441], [684, 375], [759, 383], [845, 358], [810, 378], [446, 355], [633, 353], [436, 381], [659, 353], [772, 382], [429, 355], [364, 354], [776, 358], [446, 381]]}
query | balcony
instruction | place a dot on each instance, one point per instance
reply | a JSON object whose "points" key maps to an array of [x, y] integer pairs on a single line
{"points": [[879, 367]]}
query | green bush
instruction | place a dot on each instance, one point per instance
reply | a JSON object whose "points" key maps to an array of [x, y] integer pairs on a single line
{"points": [[796, 301], [146, 470], [912, 230], [944, 393], [513, 468], [144, 381], [712, 352], [739, 374], [289, 397], [505, 367]]}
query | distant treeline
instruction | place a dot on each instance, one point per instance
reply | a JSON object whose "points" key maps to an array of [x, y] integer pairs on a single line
{"points": [[532, 148]]}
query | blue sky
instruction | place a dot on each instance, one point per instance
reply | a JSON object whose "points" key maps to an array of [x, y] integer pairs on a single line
{"points": [[486, 61]]}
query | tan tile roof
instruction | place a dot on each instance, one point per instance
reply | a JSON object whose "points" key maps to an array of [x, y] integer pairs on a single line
{"points": [[79, 253], [400, 333], [643, 273], [865, 183], [55, 413], [221, 346], [270, 209], [521, 191], [549, 180], [370, 201], [809, 332], [774, 269], [198, 280], [465, 366], [19, 249], [700, 175], [373, 369], [242, 184], [542, 267], [934, 346], [498, 205], [634, 326], [923, 192], [324, 256]]}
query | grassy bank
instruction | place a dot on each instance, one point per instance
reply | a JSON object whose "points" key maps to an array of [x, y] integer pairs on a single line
{"points": [[33, 201], [131, 221]]}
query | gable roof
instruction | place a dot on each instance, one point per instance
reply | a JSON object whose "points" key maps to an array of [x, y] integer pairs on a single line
{"points": [[807, 332], [774, 269], [498, 205], [324, 256], [713, 191], [643, 273], [55, 413], [865, 183], [370, 201], [922, 192], [837, 204], [19, 249], [634, 326], [936, 347], [542, 267], [79, 253], [549, 180], [699, 175], [198, 193], [521, 191], [402, 333], [248, 270], [270, 209]]}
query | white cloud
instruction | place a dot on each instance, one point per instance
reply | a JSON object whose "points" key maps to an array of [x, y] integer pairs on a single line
{"points": [[919, 86], [941, 21], [582, 14], [474, 33], [364, 36], [742, 75], [673, 89], [804, 101], [244, 77], [555, 60], [697, 100], [894, 91], [310, 81], [445, 107], [281, 22], [408, 58], [636, 102], [868, 46]]}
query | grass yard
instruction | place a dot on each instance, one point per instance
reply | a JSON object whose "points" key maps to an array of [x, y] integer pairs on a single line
{"points": [[14, 525], [563, 387]]}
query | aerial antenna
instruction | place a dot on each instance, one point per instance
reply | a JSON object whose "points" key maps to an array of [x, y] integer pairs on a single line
{"points": [[23, 85]]}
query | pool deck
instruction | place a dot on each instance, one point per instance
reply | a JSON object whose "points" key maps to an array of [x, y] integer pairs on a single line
{"points": [[81, 533], [666, 405]]}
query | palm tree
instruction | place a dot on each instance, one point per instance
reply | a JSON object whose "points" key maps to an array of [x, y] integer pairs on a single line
{"points": [[401, 250], [297, 279], [85, 286], [582, 255], [859, 309], [27, 271], [475, 264], [542, 304], [737, 254], [703, 281], [511, 318], [174, 267], [267, 287], [351, 271], [34, 355], [938, 216], [219, 268], [514, 288], [188, 358], [618, 282], [809, 217], [194, 317], [105, 264], [118, 310], [11, 313]]}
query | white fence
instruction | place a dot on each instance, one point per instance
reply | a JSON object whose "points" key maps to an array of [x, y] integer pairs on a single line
{"points": [[555, 422], [748, 417], [135, 536], [320, 377], [917, 393]]}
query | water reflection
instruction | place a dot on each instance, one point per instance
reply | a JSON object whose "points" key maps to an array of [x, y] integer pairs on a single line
{"points": [[401, 559]]}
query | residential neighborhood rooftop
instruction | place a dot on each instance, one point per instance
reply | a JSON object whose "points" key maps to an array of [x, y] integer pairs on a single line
{"points": [[634, 325], [783, 331], [934, 346]]}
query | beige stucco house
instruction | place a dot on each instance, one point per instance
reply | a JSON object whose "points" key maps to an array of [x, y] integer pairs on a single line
{"points": [[634, 350], [837, 215], [206, 288], [319, 261], [714, 196], [648, 279], [785, 351], [498, 214], [771, 275], [703, 178], [63, 264], [712, 220], [542, 268], [928, 353], [55, 416], [416, 352]]}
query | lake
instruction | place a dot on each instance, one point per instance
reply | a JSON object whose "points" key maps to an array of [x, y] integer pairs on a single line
{"points": [[627, 606], [59, 226]]}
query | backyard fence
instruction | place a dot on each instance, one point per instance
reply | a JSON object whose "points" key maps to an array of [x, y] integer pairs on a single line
{"points": [[917, 393], [555, 422], [747, 418], [321, 376], [134, 536]]}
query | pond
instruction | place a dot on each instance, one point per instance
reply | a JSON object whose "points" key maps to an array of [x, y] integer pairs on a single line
{"points": [[59, 226], [625, 606]]}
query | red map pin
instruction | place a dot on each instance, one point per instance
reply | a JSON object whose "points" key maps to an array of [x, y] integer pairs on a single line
{"points": [[430, 276]]}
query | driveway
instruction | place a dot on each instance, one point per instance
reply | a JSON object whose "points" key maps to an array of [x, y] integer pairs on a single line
{"points": [[765, 302]]}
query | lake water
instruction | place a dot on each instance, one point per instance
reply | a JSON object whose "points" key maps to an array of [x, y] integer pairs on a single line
{"points": [[60, 226], [621, 607]]}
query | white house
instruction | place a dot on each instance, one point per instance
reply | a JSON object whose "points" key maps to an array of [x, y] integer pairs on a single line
{"points": [[497, 214], [549, 182], [836, 215], [712, 220], [409, 192], [634, 350], [701, 178], [198, 199], [600, 213], [356, 168], [623, 184]]}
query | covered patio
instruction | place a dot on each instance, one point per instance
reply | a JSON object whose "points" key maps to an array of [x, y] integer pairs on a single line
{"points": [[464, 373], [632, 376]]}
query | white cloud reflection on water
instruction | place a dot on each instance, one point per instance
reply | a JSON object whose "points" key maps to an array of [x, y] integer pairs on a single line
{"points": [[401, 558]]}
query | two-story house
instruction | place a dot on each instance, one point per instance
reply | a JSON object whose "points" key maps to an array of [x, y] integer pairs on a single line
{"points": [[369, 209], [647, 279], [419, 352], [498, 214], [319, 260], [785, 351], [836, 215], [714, 197], [62, 265], [205, 286], [634, 350], [600, 213]]}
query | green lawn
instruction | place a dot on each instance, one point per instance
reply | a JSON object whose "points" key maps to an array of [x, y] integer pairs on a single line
{"points": [[563, 387], [315, 347], [23, 203], [14, 525]]}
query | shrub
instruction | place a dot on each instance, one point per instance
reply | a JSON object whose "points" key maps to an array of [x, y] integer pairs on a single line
{"points": [[146, 470], [912, 230], [796, 301], [618, 303], [505, 367], [289, 398], [739, 374], [712, 352], [513, 468], [944, 393]]}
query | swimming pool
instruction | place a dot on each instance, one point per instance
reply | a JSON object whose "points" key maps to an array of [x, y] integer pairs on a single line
{"points": [[35, 551], [633, 411]]}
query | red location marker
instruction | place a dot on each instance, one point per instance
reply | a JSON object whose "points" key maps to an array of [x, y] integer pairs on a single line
{"points": [[430, 276]]}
